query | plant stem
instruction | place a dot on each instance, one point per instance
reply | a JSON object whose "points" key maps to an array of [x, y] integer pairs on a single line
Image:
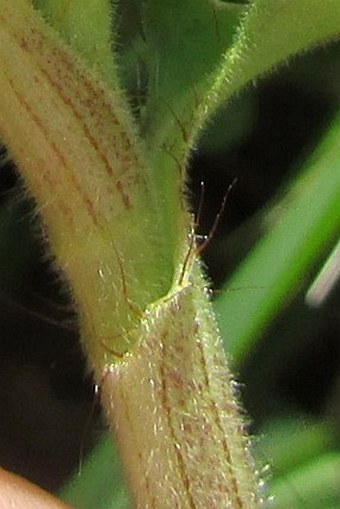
{"points": [[175, 414], [147, 327]]}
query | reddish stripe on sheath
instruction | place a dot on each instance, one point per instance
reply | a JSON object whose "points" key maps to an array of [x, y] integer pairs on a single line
{"points": [[86, 200], [214, 407], [167, 408]]}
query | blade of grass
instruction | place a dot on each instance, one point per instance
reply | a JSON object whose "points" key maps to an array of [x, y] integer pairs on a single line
{"points": [[307, 225]]}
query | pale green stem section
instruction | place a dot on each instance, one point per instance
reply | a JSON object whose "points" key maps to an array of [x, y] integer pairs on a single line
{"points": [[79, 154], [190, 447], [147, 327]]}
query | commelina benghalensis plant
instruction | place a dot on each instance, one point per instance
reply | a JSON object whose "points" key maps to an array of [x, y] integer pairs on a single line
{"points": [[109, 189]]}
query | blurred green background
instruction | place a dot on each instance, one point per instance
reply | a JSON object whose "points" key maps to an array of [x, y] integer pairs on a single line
{"points": [[281, 140]]}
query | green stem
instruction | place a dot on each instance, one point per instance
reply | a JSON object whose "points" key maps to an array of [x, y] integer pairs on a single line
{"points": [[147, 327]]}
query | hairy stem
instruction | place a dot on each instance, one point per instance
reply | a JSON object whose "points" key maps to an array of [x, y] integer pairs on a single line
{"points": [[80, 156], [147, 327], [175, 415]]}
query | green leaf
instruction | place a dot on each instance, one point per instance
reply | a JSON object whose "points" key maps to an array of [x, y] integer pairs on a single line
{"points": [[271, 33], [315, 485], [189, 78], [307, 437], [304, 226], [185, 41]]}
